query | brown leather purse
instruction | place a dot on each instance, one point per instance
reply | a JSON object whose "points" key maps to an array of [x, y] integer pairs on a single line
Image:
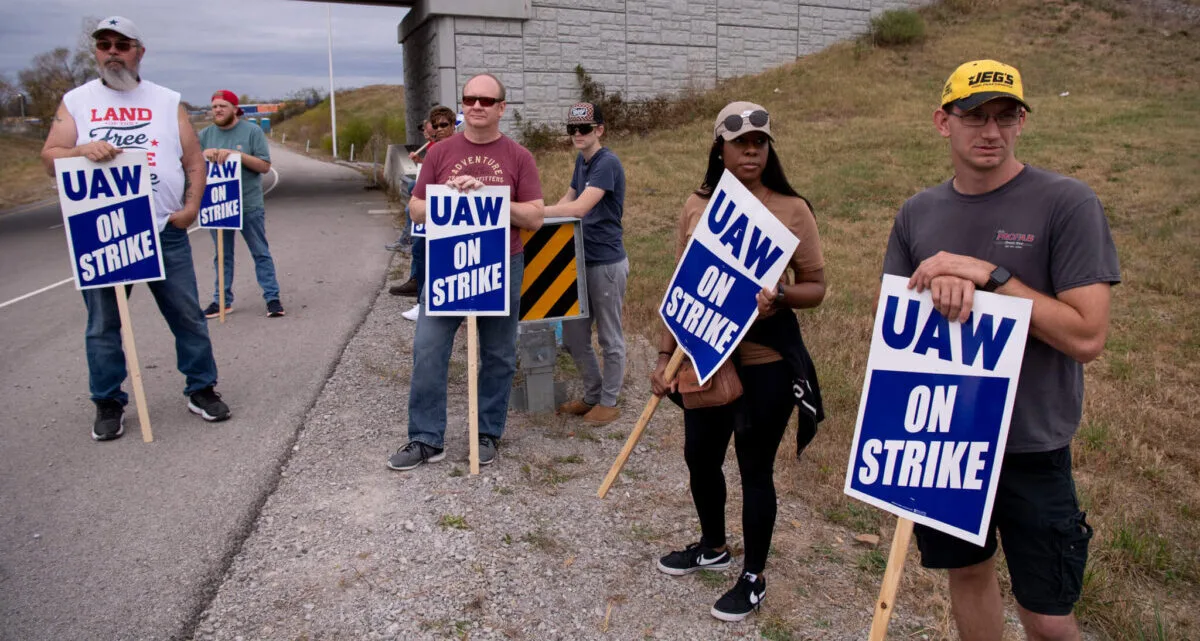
{"points": [[722, 388]]}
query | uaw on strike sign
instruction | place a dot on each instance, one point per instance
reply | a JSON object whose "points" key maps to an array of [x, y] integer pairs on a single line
{"points": [[466, 258], [737, 249], [935, 409], [221, 206], [108, 213]]}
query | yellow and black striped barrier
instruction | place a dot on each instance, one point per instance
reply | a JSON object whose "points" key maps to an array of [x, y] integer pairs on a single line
{"points": [[554, 286]]}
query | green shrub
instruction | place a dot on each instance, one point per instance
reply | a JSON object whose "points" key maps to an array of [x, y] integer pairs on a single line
{"points": [[897, 27]]}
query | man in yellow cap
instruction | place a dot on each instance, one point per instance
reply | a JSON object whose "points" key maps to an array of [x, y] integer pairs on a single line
{"points": [[1002, 226]]}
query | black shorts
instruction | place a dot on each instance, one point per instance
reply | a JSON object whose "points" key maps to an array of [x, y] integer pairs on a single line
{"points": [[1044, 534]]}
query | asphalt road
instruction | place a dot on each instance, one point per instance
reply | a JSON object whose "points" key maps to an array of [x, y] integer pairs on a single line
{"points": [[128, 540]]}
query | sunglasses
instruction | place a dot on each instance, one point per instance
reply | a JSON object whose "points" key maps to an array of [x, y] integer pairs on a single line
{"points": [[757, 118], [440, 125], [583, 129], [483, 101], [980, 119], [120, 45]]}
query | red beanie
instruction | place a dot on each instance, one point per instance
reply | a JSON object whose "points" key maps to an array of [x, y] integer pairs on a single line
{"points": [[228, 96]]}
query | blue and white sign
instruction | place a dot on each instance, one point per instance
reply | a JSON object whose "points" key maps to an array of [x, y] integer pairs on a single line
{"points": [[418, 229], [466, 257], [108, 214], [936, 404], [737, 249], [221, 206]]}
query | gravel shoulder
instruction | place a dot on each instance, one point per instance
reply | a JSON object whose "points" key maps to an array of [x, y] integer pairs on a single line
{"points": [[348, 549]]}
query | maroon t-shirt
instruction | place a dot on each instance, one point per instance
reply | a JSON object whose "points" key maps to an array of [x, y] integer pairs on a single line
{"points": [[497, 163]]}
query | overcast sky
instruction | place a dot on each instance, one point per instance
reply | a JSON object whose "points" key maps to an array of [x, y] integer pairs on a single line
{"points": [[265, 48]]}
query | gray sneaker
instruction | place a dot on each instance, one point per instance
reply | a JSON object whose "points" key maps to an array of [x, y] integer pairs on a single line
{"points": [[414, 454], [487, 450]]}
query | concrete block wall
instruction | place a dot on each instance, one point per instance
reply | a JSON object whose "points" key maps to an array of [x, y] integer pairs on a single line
{"points": [[641, 48]]}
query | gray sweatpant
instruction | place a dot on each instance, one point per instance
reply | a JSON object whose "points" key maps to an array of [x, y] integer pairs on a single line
{"points": [[606, 295]]}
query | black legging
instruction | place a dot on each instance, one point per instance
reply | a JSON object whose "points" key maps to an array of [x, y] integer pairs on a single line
{"points": [[768, 404]]}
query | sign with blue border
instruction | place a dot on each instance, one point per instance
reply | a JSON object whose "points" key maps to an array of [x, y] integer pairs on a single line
{"points": [[466, 257], [108, 214], [737, 249], [935, 409], [221, 206]]}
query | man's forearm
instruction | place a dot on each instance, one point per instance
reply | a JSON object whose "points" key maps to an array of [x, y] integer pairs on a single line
{"points": [[255, 164], [528, 215], [416, 209]]}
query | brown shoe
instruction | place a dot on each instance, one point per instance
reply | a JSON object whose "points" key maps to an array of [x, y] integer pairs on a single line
{"points": [[601, 415], [407, 289], [576, 407]]}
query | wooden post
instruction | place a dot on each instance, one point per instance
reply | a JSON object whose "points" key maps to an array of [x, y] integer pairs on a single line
{"points": [[636, 434], [221, 273], [891, 579], [473, 391], [131, 362]]}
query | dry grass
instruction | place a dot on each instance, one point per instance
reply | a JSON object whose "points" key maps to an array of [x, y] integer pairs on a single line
{"points": [[853, 129], [371, 103], [22, 178]]}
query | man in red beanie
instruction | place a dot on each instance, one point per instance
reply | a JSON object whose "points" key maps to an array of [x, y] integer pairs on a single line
{"points": [[230, 134]]}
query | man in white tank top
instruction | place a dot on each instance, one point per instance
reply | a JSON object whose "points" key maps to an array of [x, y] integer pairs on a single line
{"points": [[99, 120]]}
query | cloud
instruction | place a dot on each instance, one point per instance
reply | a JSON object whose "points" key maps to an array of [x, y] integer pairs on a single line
{"points": [[266, 48]]}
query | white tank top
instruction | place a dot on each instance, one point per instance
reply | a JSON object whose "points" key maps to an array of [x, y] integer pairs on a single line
{"points": [[146, 119]]}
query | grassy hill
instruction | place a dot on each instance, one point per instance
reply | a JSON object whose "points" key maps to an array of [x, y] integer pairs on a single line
{"points": [[1115, 88], [360, 113], [22, 177]]}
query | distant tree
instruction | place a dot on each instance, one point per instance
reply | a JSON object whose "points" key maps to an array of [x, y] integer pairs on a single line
{"points": [[49, 76]]}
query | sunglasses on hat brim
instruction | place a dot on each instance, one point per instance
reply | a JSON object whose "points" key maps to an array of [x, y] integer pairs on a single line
{"points": [[757, 118]]}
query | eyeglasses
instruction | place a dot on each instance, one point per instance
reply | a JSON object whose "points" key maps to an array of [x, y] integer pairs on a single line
{"points": [[583, 129], [980, 119], [757, 118], [120, 45], [483, 101], [440, 125]]}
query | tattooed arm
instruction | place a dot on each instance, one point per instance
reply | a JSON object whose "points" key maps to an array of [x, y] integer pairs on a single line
{"points": [[193, 171], [61, 142]]}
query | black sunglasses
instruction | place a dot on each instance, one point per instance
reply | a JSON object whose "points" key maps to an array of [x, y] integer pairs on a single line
{"points": [[484, 101], [440, 125], [757, 118], [583, 129], [120, 45]]}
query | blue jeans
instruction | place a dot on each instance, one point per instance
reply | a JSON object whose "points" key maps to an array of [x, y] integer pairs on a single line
{"points": [[254, 230], [497, 364], [180, 307], [417, 268]]}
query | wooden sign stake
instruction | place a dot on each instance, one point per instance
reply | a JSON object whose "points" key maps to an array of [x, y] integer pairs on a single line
{"points": [[473, 391], [131, 361], [891, 579], [221, 273], [636, 434]]}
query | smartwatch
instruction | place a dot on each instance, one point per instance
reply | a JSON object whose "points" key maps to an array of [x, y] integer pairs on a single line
{"points": [[997, 279]]}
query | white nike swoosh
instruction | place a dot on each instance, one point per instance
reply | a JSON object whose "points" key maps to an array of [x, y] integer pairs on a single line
{"points": [[704, 561]]}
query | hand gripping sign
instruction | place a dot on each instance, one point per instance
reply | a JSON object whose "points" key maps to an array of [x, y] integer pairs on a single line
{"points": [[737, 249], [108, 214], [466, 259], [934, 416], [221, 206], [112, 236]]}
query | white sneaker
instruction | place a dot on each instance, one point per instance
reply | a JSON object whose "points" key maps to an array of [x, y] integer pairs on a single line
{"points": [[412, 313]]}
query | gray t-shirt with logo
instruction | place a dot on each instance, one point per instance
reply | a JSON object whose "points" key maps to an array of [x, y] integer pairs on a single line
{"points": [[1051, 233], [248, 139], [603, 242]]}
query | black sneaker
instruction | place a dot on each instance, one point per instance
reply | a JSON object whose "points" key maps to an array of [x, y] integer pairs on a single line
{"points": [[693, 558], [414, 454], [208, 404], [745, 597], [274, 308], [214, 310], [110, 420], [487, 450]]}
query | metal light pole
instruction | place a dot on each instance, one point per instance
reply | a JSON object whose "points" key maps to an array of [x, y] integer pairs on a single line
{"points": [[22, 97], [332, 99]]}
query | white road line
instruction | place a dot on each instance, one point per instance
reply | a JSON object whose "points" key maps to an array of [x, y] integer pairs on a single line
{"points": [[274, 184], [383, 211], [32, 294], [30, 207], [55, 226]]}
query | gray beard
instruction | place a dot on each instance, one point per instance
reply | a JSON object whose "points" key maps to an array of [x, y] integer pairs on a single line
{"points": [[119, 78]]}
